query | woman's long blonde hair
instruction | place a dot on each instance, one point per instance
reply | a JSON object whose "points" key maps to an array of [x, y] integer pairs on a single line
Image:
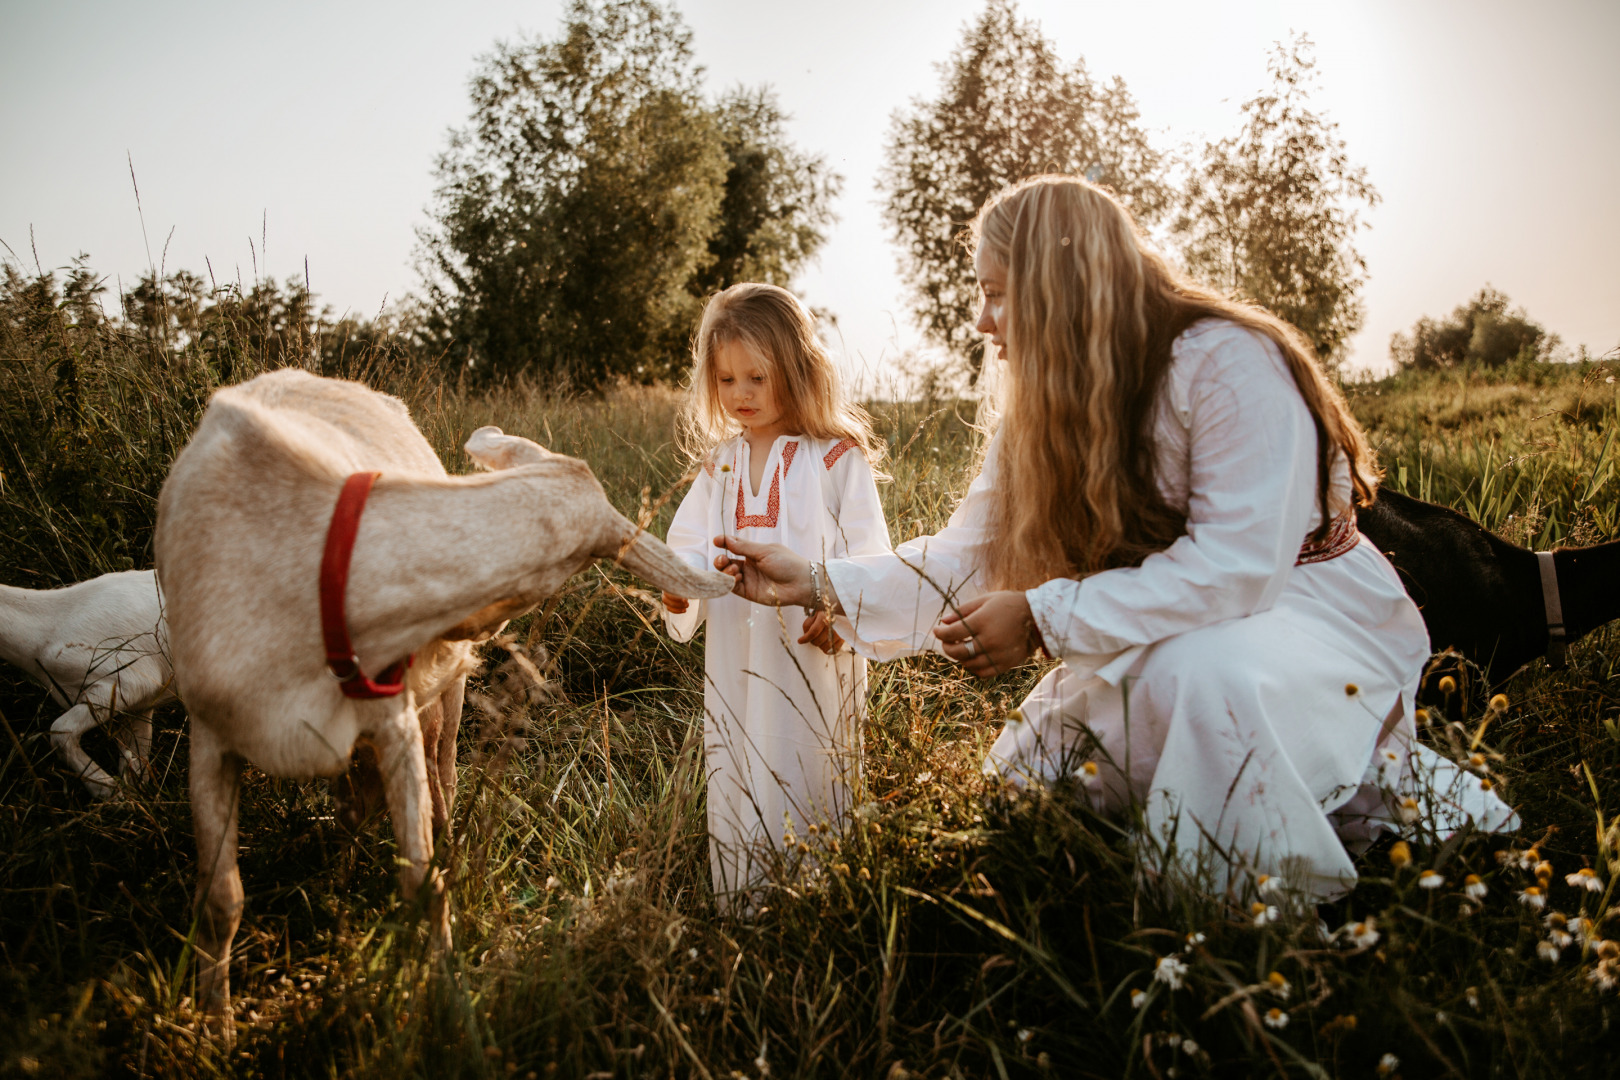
{"points": [[775, 325], [1091, 314]]}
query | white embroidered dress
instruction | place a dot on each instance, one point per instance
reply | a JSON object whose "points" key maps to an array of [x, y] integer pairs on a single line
{"points": [[1237, 696], [782, 721]]}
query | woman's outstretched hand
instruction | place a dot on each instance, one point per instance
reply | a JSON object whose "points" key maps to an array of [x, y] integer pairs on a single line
{"points": [[765, 573], [994, 634]]}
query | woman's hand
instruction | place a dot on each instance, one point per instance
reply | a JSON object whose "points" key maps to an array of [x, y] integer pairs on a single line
{"points": [[766, 573], [994, 634], [818, 631], [675, 605]]}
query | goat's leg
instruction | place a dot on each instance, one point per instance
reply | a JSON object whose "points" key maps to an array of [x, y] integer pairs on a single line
{"points": [[451, 702], [136, 760], [431, 717], [215, 789], [404, 775], [65, 735]]}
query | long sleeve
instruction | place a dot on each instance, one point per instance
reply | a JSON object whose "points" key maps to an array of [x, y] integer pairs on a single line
{"points": [[1251, 499], [691, 538], [893, 599]]}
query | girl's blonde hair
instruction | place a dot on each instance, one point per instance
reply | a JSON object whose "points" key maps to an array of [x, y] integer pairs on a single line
{"points": [[775, 325], [1092, 313]]}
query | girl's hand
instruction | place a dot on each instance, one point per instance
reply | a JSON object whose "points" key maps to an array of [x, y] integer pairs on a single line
{"points": [[818, 631], [675, 605], [994, 634], [766, 573]]}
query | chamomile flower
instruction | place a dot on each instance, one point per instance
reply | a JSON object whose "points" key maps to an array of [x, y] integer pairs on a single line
{"points": [[1430, 879], [1529, 857], [1388, 1064], [1474, 887], [1533, 898], [1558, 929], [1389, 767], [1607, 950], [1263, 913], [1584, 878], [1478, 763], [1279, 985], [1171, 972], [1448, 685], [1584, 929], [1498, 703], [1471, 995], [1276, 1019], [1090, 775], [1025, 1034], [1195, 939], [1400, 856], [1268, 885], [1604, 975], [1188, 1046], [1544, 873], [1548, 951], [1408, 810], [1138, 998], [1361, 935]]}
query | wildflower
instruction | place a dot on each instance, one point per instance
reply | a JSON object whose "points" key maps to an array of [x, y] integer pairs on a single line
{"points": [[1474, 888], [1423, 717], [1276, 1018], [1583, 929], [1172, 1040], [1485, 783], [1430, 879], [1448, 685], [1529, 857], [1608, 950], [725, 468], [691, 954], [1465, 910], [1171, 972], [1362, 935], [1188, 1046], [1533, 898], [1584, 878], [1089, 774], [1472, 996], [1388, 1064], [1389, 767], [1499, 703], [1400, 856], [1558, 929], [1195, 938], [1604, 975], [1267, 885], [865, 874], [1263, 913], [1138, 998], [1544, 873], [1279, 985], [1351, 689], [1548, 951], [1478, 763], [1025, 1034], [1408, 811]]}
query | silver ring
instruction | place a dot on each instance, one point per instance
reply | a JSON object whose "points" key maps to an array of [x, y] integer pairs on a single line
{"points": [[973, 648]]}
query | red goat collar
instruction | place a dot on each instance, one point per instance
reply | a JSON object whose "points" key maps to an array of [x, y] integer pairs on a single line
{"points": [[340, 658]]}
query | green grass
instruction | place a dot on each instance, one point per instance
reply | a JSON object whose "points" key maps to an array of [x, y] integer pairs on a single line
{"points": [[953, 930]]}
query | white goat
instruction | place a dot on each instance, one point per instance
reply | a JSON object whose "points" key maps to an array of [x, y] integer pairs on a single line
{"points": [[96, 646], [438, 563]]}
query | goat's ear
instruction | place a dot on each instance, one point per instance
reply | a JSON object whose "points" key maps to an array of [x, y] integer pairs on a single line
{"points": [[494, 449]]}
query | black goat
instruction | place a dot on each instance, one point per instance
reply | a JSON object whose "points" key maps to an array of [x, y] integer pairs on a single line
{"points": [[1481, 595]]}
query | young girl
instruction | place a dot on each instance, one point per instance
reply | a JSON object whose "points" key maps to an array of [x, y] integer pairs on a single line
{"points": [[784, 458]]}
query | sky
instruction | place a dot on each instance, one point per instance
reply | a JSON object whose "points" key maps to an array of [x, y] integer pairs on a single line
{"points": [[264, 137]]}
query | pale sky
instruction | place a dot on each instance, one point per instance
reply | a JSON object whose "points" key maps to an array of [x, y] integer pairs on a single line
{"points": [[1491, 129]]}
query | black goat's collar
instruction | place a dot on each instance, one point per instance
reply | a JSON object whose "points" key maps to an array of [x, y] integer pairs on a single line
{"points": [[1555, 610]]}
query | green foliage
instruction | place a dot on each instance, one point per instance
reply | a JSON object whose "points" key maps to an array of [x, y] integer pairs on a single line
{"points": [[1270, 213], [1482, 332], [1008, 107], [596, 196]]}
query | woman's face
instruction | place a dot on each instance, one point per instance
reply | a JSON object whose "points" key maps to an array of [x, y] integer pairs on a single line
{"points": [[993, 314]]}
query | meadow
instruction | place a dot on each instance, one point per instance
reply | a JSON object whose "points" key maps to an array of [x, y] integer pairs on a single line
{"points": [[952, 929]]}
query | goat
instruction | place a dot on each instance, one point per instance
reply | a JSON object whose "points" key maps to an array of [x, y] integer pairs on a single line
{"points": [[97, 648], [1480, 594], [437, 564]]}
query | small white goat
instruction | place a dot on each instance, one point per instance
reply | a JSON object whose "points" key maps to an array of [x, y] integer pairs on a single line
{"points": [[97, 647], [438, 562]]}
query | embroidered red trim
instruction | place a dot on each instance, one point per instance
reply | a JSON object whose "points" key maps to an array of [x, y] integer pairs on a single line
{"points": [[708, 467], [787, 456], [1342, 535], [773, 505], [340, 658], [837, 452]]}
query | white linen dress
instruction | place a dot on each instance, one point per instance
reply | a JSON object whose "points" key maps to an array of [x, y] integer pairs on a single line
{"points": [[782, 721], [1249, 705]]}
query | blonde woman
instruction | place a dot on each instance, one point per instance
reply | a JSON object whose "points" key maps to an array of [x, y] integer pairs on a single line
{"points": [[784, 458], [1167, 505]]}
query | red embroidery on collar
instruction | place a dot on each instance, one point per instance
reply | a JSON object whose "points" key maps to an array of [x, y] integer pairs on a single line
{"points": [[708, 467], [837, 452], [1342, 535], [787, 456], [773, 504]]}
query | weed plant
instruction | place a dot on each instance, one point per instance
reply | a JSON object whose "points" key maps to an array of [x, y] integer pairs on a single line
{"points": [[953, 928]]}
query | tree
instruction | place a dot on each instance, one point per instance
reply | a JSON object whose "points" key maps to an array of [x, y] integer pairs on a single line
{"points": [[1482, 332], [1270, 214], [583, 211], [1008, 108]]}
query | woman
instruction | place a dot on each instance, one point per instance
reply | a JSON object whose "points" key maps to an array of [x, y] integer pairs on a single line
{"points": [[1167, 505]]}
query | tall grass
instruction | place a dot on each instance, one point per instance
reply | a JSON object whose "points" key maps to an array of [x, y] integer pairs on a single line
{"points": [[953, 929]]}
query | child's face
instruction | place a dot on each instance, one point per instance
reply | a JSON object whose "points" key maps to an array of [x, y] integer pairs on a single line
{"points": [[746, 390], [993, 315]]}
